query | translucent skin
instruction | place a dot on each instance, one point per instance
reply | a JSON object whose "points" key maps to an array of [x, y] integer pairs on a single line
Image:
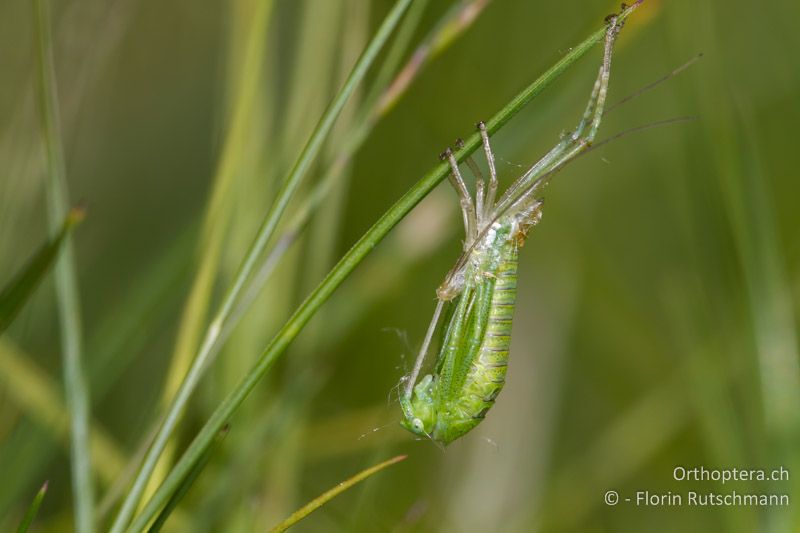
{"points": [[471, 365]]}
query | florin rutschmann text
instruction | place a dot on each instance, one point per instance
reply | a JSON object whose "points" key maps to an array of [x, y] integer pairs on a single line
{"points": [[748, 495]]}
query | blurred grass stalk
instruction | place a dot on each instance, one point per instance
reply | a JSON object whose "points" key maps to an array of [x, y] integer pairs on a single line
{"points": [[769, 320], [285, 425], [245, 87], [87, 34], [321, 72], [75, 385], [209, 344], [384, 89], [112, 345], [748, 201], [274, 427]]}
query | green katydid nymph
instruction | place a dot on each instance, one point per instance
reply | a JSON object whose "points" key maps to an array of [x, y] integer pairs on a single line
{"points": [[481, 288]]}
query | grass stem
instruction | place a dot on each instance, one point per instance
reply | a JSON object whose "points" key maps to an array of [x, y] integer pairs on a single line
{"points": [[265, 233], [75, 385]]}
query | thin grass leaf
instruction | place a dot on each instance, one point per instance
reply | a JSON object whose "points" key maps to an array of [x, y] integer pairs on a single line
{"points": [[19, 290], [382, 97], [396, 51], [187, 483], [324, 498], [265, 232], [76, 388], [286, 429], [342, 270], [749, 203], [33, 510], [248, 40]]}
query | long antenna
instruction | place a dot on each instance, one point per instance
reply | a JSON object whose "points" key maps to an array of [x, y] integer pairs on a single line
{"points": [[656, 83], [638, 129], [544, 178]]}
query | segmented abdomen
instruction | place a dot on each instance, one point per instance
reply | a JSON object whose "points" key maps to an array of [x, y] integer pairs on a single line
{"points": [[487, 376]]}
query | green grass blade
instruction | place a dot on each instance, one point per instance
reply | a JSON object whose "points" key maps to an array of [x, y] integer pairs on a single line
{"points": [[18, 290], [341, 271], [324, 498], [187, 483], [382, 97], [396, 52], [247, 90], [265, 232], [75, 385], [33, 509]]}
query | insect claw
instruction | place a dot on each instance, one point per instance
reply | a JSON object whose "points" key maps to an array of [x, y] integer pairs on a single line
{"points": [[481, 126], [444, 155], [459, 143]]}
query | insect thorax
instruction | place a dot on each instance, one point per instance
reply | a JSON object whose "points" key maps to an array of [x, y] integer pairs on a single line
{"points": [[481, 258]]}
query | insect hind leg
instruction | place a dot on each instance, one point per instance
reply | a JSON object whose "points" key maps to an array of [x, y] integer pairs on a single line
{"points": [[593, 114], [467, 206], [492, 191], [580, 139]]}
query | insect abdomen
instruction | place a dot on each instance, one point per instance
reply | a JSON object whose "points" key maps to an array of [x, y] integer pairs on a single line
{"points": [[488, 373]]}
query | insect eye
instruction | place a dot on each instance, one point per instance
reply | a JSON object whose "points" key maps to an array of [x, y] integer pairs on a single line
{"points": [[418, 425]]}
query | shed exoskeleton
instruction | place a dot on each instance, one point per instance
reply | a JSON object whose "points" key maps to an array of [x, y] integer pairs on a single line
{"points": [[481, 288]]}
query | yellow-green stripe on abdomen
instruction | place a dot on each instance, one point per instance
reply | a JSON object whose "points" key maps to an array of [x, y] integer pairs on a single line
{"points": [[487, 376]]}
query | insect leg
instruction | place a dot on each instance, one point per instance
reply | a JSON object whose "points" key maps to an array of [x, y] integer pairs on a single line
{"points": [[479, 195], [467, 207], [592, 116], [479, 188], [605, 72], [572, 144], [411, 379], [492, 192]]}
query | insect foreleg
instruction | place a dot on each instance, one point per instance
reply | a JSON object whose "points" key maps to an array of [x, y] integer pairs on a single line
{"points": [[412, 378], [492, 192], [479, 198], [480, 214], [467, 207]]}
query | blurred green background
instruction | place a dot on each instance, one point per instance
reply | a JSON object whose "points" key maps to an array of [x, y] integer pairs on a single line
{"points": [[657, 314]]}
